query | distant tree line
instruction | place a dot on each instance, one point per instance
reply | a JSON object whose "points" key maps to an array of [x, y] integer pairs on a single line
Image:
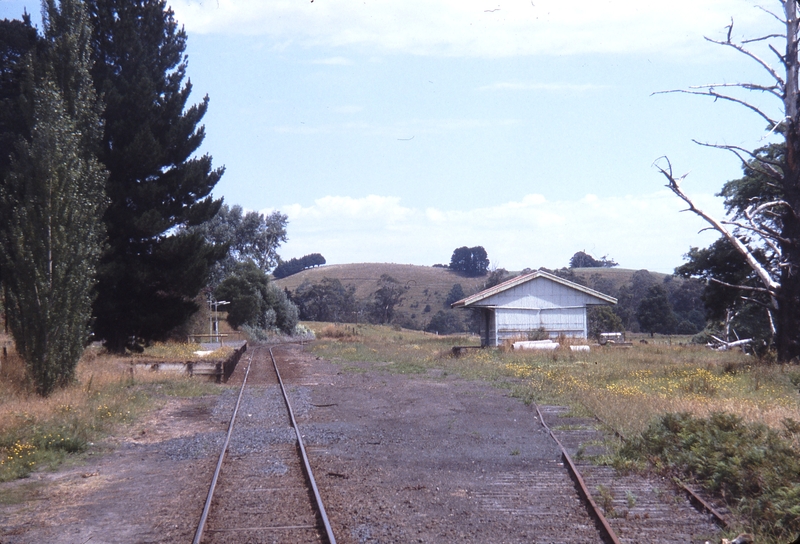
{"points": [[645, 304], [293, 266], [327, 300]]}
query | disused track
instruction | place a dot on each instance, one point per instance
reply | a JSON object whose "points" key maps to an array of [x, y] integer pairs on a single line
{"points": [[252, 486], [627, 509]]}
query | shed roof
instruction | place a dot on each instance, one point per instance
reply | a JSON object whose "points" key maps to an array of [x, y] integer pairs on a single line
{"points": [[519, 280]]}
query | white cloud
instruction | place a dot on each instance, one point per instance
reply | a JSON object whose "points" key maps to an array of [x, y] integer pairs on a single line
{"points": [[472, 27], [638, 232]]}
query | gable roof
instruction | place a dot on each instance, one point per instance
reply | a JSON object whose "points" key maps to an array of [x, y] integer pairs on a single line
{"points": [[519, 280]]}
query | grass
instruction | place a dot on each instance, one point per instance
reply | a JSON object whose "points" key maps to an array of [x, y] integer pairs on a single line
{"points": [[180, 351], [632, 390], [41, 433], [637, 391], [626, 388]]}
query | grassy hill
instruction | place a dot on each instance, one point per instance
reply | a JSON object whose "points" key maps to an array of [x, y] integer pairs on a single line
{"points": [[426, 286]]}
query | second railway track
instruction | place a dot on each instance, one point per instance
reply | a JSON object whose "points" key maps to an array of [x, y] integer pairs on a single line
{"points": [[263, 491]]}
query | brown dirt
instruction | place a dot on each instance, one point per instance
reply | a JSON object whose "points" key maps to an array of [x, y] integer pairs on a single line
{"points": [[398, 458], [126, 490]]}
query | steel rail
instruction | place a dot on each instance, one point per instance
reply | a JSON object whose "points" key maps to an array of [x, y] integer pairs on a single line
{"points": [[306, 464], [702, 505], [605, 527], [201, 525], [695, 500]]}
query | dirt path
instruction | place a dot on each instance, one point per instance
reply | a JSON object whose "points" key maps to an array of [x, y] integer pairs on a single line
{"points": [[144, 488]]}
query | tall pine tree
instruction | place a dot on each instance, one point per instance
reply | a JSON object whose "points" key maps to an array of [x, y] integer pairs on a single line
{"points": [[152, 270], [51, 200]]}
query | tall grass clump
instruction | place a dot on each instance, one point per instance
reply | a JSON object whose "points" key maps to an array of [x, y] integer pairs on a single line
{"points": [[753, 468], [41, 432]]}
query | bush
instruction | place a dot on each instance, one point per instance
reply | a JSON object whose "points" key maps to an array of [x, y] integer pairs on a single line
{"points": [[754, 468], [444, 322], [255, 302]]}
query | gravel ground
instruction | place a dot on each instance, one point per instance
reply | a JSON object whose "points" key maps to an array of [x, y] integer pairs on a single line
{"points": [[397, 458]]}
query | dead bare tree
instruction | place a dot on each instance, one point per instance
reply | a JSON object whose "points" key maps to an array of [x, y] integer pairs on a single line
{"points": [[772, 225]]}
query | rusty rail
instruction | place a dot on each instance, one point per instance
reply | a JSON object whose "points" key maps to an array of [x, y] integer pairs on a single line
{"points": [[207, 507], [605, 528]]}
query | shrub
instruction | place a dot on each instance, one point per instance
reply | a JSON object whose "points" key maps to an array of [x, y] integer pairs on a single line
{"points": [[754, 468]]}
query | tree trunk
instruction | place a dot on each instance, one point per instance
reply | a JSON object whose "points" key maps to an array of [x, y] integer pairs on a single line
{"points": [[787, 322], [787, 338]]}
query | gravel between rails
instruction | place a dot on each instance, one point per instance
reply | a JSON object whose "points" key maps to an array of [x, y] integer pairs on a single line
{"points": [[261, 495]]}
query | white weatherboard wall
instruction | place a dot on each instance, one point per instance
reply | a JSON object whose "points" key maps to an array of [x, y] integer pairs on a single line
{"points": [[529, 303]]}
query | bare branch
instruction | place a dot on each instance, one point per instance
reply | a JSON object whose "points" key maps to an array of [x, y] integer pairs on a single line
{"points": [[752, 55], [741, 287], [715, 95], [765, 10], [769, 166], [778, 54], [768, 205], [772, 89], [765, 235], [762, 38], [757, 302], [771, 286]]}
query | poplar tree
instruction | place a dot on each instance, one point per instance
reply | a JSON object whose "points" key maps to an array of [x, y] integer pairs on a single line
{"points": [[153, 267], [51, 200]]}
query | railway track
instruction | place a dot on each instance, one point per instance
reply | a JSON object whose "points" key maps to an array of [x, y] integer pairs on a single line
{"points": [[263, 488], [627, 508]]}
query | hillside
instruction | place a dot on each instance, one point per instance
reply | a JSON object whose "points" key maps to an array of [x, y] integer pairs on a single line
{"points": [[426, 285], [616, 277], [427, 288], [437, 281]]}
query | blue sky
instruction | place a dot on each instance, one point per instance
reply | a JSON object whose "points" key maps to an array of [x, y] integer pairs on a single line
{"points": [[398, 131]]}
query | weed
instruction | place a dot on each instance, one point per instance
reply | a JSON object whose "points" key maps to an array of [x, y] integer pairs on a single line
{"points": [[569, 428], [338, 332], [630, 498], [606, 501], [515, 451], [40, 433]]}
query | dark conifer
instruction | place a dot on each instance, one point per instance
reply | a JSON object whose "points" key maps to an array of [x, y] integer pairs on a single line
{"points": [[18, 40], [152, 270]]}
